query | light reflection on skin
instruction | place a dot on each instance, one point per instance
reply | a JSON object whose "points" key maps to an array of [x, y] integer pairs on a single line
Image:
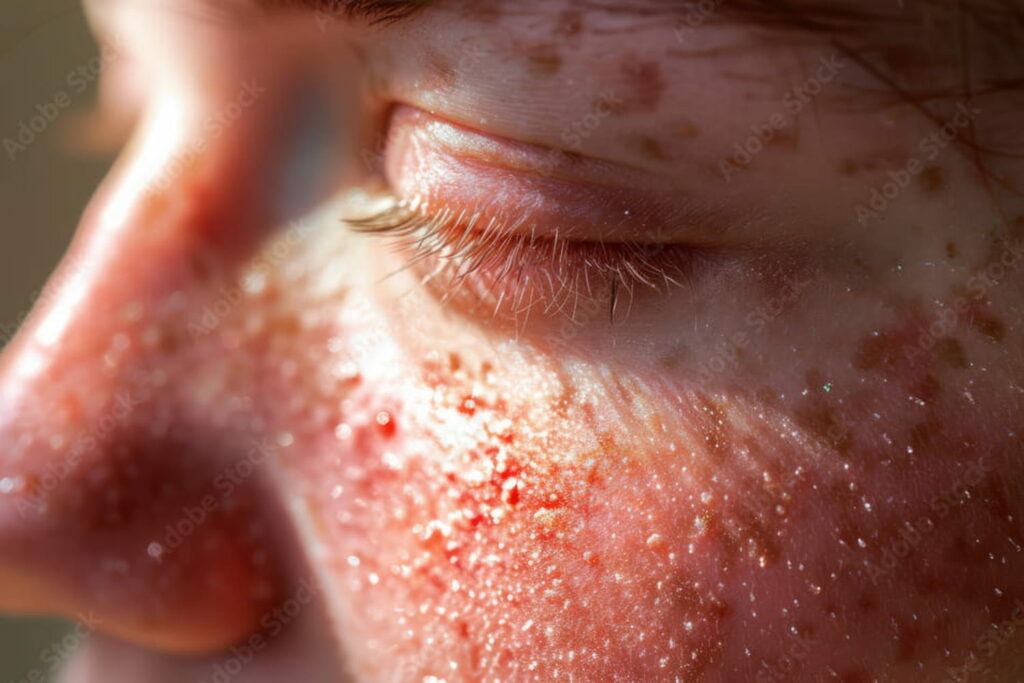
{"points": [[694, 486]]}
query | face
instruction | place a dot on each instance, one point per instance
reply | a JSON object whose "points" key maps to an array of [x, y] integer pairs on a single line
{"points": [[535, 341]]}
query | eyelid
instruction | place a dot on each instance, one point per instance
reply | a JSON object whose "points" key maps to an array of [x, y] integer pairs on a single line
{"points": [[435, 161]]}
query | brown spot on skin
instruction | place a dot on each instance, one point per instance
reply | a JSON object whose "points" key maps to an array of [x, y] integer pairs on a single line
{"points": [[543, 60], [441, 74], [951, 352], [454, 362], [649, 148], [849, 167], [952, 250], [645, 82], [670, 362], [991, 327], [932, 179], [820, 419], [688, 129]]}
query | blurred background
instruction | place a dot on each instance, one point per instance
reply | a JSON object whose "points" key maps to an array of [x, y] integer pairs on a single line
{"points": [[47, 58]]}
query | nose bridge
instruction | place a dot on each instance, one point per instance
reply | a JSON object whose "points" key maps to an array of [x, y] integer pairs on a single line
{"points": [[98, 468]]}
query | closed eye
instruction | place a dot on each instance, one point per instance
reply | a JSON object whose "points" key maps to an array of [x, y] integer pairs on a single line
{"points": [[481, 224]]}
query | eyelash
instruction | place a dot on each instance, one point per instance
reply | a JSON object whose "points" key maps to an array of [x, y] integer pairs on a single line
{"points": [[496, 261], [376, 11]]}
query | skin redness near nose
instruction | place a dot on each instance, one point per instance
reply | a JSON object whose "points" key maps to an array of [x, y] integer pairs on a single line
{"points": [[535, 341]]}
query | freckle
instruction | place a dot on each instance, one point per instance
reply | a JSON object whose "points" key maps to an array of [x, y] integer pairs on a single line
{"points": [[670, 361], [849, 167], [649, 148], [933, 179], [441, 73], [645, 81], [543, 60], [952, 250], [820, 419], [991, 327], [688, 130], [951, 352]]}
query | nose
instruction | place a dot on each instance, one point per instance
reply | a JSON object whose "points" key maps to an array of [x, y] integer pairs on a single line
{"points": [[122, 501]]}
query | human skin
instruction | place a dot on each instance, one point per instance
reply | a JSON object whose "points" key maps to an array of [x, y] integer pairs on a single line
{"points": [[800, 461]]}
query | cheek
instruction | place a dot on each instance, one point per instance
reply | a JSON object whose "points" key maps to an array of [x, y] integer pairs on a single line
{"points": [[485, 509]]}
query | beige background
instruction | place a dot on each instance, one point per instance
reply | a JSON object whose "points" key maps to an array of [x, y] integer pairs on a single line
{"points": [[42, 192]]}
